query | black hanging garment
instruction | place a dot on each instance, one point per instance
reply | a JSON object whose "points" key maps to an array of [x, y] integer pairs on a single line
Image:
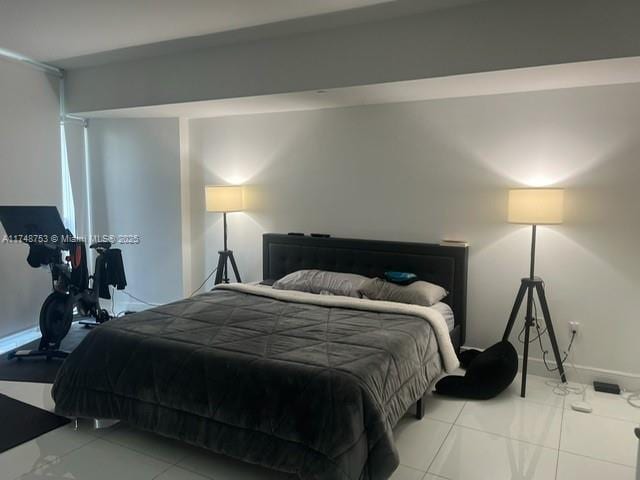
{"points": [[40, 255], [110, 270], [79, 269]]}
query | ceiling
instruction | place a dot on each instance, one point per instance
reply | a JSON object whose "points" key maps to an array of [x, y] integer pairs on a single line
{"points": [[569, 75], [53, 29], [80, 33]]}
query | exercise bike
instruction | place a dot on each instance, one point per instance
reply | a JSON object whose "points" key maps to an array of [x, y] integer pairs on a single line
{"points": [[70, 278], [71, 292]]}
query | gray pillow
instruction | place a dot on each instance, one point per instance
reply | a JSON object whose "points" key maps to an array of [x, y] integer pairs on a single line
{"points": [[417, 293], [322, 282]]}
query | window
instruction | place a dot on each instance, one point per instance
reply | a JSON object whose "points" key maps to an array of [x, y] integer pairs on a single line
{"points": [[68, 206]]}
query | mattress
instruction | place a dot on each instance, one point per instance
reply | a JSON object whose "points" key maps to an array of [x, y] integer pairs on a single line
{"points": [[305, 385], [447, 313]]}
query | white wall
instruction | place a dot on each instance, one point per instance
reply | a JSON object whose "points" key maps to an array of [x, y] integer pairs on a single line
{"points": [[135, 190], [428, 170], [29, 175]]}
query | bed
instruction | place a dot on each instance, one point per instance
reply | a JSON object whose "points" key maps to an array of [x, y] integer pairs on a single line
{"points": [[307, 384]]}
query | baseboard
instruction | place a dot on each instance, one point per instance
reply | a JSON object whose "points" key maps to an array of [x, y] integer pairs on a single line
{"points": [[585, 373], [129, 306], [13, 341]]}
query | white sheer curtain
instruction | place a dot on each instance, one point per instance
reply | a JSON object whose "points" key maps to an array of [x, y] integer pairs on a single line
{"points": [[68, 204], [75, 179]]}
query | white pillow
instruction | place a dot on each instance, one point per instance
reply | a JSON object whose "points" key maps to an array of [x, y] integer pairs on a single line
{"points": [[322, 282]]}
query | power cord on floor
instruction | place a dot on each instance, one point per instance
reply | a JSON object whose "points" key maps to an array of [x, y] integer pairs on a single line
{"points": [[563, 360], [539, 334], [564, 389], [130, 295], [633, 398], [140, 300], [205, 281], [112, 293], [559, 388]]}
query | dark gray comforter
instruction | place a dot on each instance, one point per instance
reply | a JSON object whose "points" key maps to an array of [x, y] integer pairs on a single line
{"points": [[300, 388]]}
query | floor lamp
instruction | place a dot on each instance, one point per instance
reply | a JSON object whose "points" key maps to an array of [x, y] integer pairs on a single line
{"points": [[534, 206], [225, 199]]}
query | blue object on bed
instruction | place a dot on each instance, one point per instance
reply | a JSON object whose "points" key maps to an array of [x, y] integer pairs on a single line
{"points": [[401, 278]]}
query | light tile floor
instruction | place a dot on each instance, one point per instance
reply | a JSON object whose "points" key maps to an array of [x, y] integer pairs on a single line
{"points": [[506, 438]]}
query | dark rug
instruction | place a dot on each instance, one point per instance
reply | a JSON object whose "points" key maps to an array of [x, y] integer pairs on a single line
{"points": [[22, 422], [39, 370]]}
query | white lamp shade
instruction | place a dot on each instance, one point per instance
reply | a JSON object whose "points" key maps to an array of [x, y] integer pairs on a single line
{"points": [[224, 198], [536, 206]]}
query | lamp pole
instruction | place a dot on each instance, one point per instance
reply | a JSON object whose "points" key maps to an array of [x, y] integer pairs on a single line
{"points": [[533, 250], [224, 220]]}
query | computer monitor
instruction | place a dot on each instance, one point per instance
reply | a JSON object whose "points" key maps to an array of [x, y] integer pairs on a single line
{"points": [[33, 224]]}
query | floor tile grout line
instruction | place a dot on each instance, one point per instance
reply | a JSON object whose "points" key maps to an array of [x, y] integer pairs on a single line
{"points": [[140, 452], [541, 446], [169, 467], [192, 470], [633, 422], [184, 457], [524, 400], [135, 450], [505, 436], [537, 402], [442, 444], [175, 464], [439, 420], [460, 412], [47, 463], [417, 470], [144, 454], [426, 415], [439, 448], [434, 475], [444, 440], [581, 455], [170, 463], [560, 438]]}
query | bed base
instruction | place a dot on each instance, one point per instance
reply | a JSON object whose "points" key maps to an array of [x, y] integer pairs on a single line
{"points": [[98, 423], [420, 408]]}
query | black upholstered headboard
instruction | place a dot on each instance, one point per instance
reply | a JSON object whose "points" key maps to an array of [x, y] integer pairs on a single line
{"points": [[442, 265]]}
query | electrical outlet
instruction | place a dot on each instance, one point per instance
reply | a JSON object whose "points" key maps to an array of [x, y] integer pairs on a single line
{"points": [[574, 327]]}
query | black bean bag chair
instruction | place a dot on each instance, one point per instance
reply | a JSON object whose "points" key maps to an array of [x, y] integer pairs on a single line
{"points": [[488, 374], [467, 356]]}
